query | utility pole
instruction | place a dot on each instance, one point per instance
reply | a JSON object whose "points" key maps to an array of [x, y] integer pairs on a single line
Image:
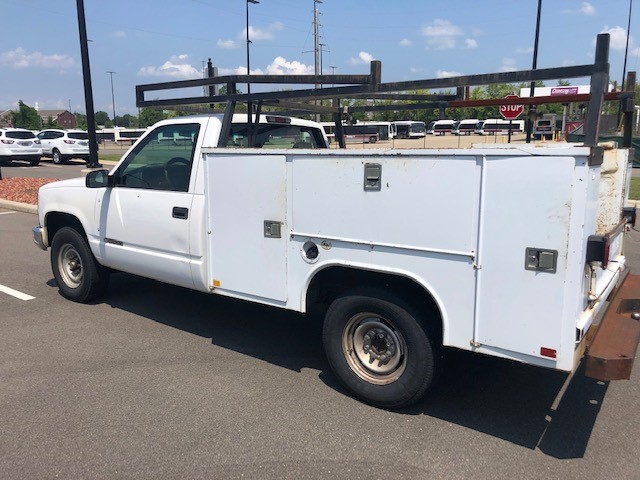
{"points": [[113, 101], [316, 42]]}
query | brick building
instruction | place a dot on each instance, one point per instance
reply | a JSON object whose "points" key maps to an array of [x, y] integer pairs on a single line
{"points": [[63, 118]]}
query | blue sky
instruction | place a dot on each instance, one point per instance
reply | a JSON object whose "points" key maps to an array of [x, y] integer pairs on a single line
{"points": [[147, 41]]}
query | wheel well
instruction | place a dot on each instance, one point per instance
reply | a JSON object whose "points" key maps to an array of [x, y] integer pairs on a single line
{"points": [[57, 220], [331, 282]]}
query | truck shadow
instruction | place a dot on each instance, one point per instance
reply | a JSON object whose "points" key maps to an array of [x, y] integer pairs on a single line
{"points": [[514, 402]]}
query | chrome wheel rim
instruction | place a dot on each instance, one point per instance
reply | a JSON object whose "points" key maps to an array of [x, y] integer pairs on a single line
{"points": [[374, 348], [70, 266]]}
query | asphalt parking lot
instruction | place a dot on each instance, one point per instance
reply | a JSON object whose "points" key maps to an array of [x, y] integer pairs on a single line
{"points": [[158, 381]]}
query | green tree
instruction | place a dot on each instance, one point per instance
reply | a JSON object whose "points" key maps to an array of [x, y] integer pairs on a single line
{"points": [[127, 121], [81, 120], [102, 118], [149, 116], [26, 117]]}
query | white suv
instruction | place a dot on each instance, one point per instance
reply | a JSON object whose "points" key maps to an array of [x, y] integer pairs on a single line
{"points": [[61, 145], [19, 144]]}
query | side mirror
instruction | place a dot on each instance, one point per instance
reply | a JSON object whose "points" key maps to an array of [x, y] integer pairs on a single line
{"points": [[97, 179]]}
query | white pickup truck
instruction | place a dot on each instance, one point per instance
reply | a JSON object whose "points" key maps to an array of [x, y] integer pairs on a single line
{"points": [[510, 251]]}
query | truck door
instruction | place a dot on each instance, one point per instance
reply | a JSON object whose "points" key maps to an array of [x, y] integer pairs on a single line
{"points": [[144, 218], [246, 210]]}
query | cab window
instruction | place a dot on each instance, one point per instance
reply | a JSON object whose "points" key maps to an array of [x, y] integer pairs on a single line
{"points": [[162, 160]]}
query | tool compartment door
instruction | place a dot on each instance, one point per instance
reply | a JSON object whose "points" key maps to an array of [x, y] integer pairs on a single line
{"points": [[242, 193], [528, 207]]}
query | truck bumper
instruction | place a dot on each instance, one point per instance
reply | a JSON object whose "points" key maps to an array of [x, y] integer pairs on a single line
{"points": [[612, 350], [39, 237]]}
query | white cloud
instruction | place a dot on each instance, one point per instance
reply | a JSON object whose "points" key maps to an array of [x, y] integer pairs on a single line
{"points": [[257, 34], [176, 67], [524, 50], [446, 74], [20, 58], [618, 37], [227, 44], [120, 34], [281, 66], [508, 65], [363, 57], [405, 42], [239, 71], [441, 34], [585, 9], [471, 43]]}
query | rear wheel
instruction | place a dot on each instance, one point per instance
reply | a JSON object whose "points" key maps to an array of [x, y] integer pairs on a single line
{"points": [[34, 162], [79, 276], [379, 349]]}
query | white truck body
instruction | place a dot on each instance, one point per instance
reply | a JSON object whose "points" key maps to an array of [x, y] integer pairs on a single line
{"points": [[496, 237]]}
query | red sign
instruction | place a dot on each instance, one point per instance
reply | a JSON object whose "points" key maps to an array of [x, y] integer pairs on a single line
{"points": [[511, 112]]}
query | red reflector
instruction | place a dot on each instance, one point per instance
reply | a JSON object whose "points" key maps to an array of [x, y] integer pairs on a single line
{"points": [[548, 352]]}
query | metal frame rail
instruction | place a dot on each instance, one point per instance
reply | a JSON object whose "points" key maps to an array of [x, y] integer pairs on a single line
{"points": [[370, 87]]}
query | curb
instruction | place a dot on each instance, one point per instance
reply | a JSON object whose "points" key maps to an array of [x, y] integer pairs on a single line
{"points": [[19, 207]]}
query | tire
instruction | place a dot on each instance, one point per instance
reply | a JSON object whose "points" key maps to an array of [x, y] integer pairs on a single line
{"points": [[34, 162], [79, 276], [58, 158], [379, 349]]}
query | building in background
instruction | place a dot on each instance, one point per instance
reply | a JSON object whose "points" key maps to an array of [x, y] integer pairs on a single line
{"points": [[63, 118]]}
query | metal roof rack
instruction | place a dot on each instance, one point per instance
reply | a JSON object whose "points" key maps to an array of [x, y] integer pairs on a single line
{"points": [[297, 101]]}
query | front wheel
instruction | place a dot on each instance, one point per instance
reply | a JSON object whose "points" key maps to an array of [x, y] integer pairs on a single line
{"points": [[379, 349], [79, 276]]}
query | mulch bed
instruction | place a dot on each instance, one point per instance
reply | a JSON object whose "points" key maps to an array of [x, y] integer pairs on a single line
{"points": [[23, 190]]}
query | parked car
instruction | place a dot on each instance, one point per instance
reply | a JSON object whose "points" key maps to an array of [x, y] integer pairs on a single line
{"points": [[19, 144], [62, 145]]}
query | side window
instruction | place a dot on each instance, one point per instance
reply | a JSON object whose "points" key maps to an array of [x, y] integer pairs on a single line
{"points": [[41, 135], [162, 160], [56, 135]]}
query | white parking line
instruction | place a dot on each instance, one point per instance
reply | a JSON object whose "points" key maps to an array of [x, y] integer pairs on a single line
{"points": [[6, 213], [15, 293]]}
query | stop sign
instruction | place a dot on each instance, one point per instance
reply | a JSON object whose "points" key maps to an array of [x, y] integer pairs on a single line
{"points": [[511, 112]]}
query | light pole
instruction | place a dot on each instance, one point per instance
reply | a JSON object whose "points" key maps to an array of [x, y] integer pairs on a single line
{"points": [[88, 91], [249, 104], [248, 42], [113, 101], [532, 108]]}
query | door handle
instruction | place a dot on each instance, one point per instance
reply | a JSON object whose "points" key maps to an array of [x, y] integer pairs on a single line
{"points": [[180, 212]]}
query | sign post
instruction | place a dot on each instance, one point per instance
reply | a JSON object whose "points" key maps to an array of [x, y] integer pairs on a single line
{"points": [[511, 112]]}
